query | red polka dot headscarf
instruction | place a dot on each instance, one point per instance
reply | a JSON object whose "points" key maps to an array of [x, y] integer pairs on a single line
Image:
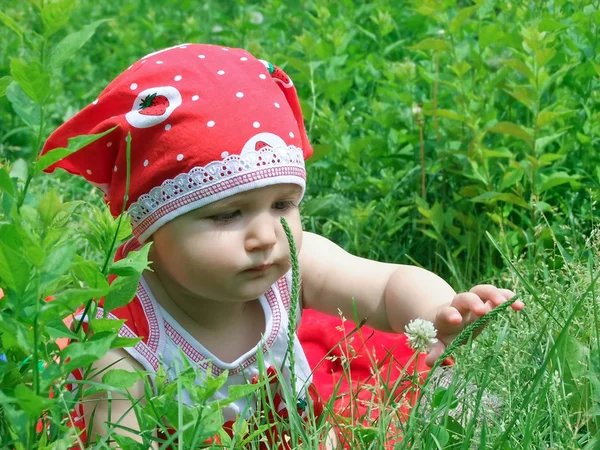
{"points": [[206, 122]]}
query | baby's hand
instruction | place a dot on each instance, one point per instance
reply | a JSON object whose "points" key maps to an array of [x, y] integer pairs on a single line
{"points": [[466, 308]]}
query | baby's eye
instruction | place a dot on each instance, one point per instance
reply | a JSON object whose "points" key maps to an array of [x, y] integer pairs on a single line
{"points": [[284, 205], [225, 217]]}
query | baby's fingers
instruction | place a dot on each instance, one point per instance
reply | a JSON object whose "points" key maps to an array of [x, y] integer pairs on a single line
{"points": [[495, 297], [466, 302], [436, 350]]}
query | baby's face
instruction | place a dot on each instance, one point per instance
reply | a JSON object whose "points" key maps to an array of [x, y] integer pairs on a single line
{"points": [[206, 253]]}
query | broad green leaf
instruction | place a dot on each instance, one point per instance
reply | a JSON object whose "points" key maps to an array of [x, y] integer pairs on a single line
{"points": [[32, 77], [493, 197], [68, 301], [58, 261], [63, 216], [121, 292], [106, 325], [14, 269], [446, 113], [89, 273], [432, 44], [127, 443], [460, 68], [49, 206], [32, 404], [489, 35], [133, 264], [512, 129], [498, 153], [556, 179], [82, 354], [56, 15], [120, 379], [10, 23], [461, 18], [543, 56], [25, 108], [4, 83], [549, 24], [74, 144], [439, 435], [71, 43], [511, 178], [573, 357], [524, 94], [211, 385], [596, 67], [6, 184], [545, 117], [123, 342], [58, 330], [541, 143], [520, 66]]}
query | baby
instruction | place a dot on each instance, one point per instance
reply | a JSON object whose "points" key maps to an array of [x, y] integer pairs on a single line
{"points": [[218, 150]]}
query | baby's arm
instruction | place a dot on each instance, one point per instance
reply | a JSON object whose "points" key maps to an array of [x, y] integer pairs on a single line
{"points": [[119, 406], [389, 295], [331, 277]]}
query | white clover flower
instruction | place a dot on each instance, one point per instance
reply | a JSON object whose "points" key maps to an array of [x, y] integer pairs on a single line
{"points": [[256, 18], [441, 33], [217, 29], [416, 110], [421, 334]]}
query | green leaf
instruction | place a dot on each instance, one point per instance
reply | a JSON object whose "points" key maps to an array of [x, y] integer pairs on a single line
{"points": [[120, 379], [6, 184], [89, 273], [56, 15], [32, 77], [68, 301], [25, 108], [446, 113], [520, 66], [524, 94], [32, 404], [58, 261], [10, 23], [74, 144], [121, 292], [489, 35], [432, 44], [512, 129], [82, 354], [439, 435], [134, 264], [122, 342], [127, 443], [461, 18], [545, 117], [71, 43], [57, 329], [573, 357], [14, 269], [106, 325], [511, 178], [493, 197], [541, 143], [460, 68], [543, 56], [4, 83], [556, 179], [49, 206]]}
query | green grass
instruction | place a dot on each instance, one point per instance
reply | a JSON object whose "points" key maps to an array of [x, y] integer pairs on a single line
{"points": [[506, 144]]}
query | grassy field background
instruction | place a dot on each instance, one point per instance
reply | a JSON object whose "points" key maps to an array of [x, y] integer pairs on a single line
{"points": [[460, 136]]}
